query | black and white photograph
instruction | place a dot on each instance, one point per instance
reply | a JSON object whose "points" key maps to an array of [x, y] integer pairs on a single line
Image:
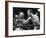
{"points": [[24, 18]]}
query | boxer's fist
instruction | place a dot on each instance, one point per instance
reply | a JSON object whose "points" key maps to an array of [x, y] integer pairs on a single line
{"points": [[29, 17]]}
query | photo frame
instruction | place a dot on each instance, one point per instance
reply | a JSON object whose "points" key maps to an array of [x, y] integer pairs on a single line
{"points": [[20, 9]]}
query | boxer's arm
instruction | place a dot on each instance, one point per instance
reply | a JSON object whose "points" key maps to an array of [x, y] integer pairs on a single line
{"points": [[26, 21]]}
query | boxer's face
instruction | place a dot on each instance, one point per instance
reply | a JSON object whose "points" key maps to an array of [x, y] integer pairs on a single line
{"points": [[29, 12], [21, 14]]}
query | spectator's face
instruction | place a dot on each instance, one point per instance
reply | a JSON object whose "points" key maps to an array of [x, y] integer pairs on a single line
{"points": [[21, 14], [16, 16]]}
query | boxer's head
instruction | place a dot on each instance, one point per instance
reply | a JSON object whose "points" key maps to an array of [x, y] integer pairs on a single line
{"points": [[29, 12], [21, 14]]}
